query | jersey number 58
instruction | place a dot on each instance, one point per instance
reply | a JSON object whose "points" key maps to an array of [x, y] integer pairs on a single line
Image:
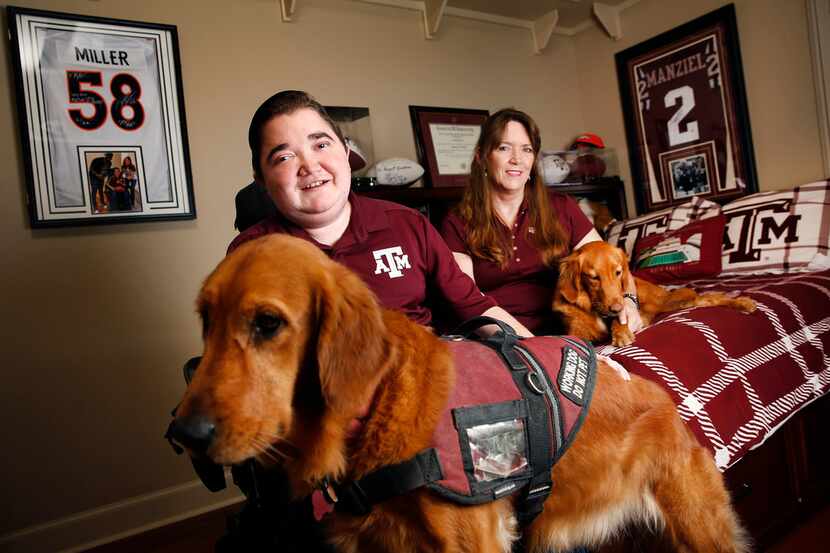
{"points": [[125, 108]]}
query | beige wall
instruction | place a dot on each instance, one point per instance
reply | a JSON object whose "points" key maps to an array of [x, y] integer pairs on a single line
{"points": [[777, 70], [97, 321]]}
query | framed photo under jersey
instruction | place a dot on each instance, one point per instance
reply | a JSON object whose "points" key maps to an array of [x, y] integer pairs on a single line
{"points": [[686, 117], [102, 119]]}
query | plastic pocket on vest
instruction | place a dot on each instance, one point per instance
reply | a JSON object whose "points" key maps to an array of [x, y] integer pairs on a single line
{"points": [[498, 450]]}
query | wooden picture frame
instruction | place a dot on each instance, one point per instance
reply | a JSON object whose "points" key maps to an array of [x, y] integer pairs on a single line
{"points": [[445, 139], [102, 119], [687, 124]]}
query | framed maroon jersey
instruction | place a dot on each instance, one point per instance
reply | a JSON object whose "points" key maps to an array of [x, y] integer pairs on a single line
{"points": [[685, 114]]}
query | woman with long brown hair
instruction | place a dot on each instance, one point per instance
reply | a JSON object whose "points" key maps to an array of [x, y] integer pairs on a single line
{"points": [[509, 230]]}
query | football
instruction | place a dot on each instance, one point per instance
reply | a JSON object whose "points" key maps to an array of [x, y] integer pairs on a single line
{"points": [[589, 166], [396, 171], [357, 159], [554, 169]]}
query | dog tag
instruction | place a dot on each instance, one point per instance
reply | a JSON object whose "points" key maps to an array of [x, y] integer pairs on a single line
{"points": [[320, 505]]}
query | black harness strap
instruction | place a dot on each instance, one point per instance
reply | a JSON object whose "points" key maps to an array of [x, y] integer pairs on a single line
{"points": [[533, 386], [532, 498], [502, 342], [357, 497]]}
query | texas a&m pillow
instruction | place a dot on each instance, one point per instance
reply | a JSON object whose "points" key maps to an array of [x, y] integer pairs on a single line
{"points": [[777, 232]]}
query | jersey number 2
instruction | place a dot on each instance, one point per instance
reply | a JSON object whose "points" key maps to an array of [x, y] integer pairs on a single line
{"points": [[686, 95]]}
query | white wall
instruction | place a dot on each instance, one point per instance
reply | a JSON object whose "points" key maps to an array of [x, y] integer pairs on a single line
{"points": [[97, 321]]}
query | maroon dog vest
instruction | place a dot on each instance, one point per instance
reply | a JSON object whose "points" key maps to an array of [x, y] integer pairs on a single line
{"points": [[516, 406], [514, 409], [510, 416]]}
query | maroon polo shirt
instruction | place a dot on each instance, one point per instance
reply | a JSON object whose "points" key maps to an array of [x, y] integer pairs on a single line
{"points": [[397, 252], [525, 287]]}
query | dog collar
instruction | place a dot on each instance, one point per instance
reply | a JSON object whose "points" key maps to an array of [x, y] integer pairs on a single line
{"points": [[323, 499], [358, 496]]}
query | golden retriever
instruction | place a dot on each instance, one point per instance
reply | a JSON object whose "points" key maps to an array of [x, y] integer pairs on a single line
{"points": [[592, 281], [296, 348]]}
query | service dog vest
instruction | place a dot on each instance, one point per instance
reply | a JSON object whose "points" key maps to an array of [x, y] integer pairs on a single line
{"points": [[516, 406], [511, 414]]}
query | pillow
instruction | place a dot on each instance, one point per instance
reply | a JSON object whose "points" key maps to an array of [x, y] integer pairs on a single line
{"points": [[625, 234], [777, 232], [692, 251]]}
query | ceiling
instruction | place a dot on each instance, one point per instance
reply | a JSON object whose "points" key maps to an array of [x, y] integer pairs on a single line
{"points": [[572, 13]]}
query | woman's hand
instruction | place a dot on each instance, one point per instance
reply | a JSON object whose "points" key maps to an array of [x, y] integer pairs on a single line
{"points": [[499, 313], [630, 315]]}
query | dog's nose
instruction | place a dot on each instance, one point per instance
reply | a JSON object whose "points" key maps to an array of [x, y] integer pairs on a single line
{"points": [[616, 308], [194, 432]]}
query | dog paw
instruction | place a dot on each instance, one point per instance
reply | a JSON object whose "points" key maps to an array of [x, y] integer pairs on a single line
{"points": [[621, 336], [745, 304]]}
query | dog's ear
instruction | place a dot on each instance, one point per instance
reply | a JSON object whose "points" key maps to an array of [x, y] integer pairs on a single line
{"points": [[626, 271], [351, 342], [569, 278]]}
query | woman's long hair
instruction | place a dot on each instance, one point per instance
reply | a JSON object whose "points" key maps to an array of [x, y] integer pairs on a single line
{"points": [[485, 236]]}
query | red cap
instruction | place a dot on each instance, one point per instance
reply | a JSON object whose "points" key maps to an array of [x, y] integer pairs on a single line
{"points": [[590, 139]]}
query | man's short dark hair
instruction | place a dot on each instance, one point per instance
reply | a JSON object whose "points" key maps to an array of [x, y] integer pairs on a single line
{"points": [[283, 103]]}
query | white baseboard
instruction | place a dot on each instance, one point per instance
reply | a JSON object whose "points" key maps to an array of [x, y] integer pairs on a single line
{"points": [[118, 520]]}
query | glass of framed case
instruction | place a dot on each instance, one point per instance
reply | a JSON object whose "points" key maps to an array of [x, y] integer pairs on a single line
{"points": [[102, 119], [685, 113]]}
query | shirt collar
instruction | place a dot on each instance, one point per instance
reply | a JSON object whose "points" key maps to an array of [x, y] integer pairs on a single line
{"points": [[520, 216], [366, 216]]}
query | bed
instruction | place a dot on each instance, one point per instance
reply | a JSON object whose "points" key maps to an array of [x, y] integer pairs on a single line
{"points": [[752, 388]]}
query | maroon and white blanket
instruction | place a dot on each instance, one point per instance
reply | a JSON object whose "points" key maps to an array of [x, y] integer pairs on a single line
{"points": [[735, 377]]}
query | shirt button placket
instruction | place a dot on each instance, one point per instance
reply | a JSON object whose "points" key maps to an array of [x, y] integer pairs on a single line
{"points": [[515, 247]]}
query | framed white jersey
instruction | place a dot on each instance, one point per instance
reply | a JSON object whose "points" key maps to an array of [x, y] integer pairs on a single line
{"points": [[685, 114], [102, 119]]}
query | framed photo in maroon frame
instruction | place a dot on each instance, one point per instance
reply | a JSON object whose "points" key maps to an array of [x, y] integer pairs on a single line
{"points": [[445, 139], [686, 118]]}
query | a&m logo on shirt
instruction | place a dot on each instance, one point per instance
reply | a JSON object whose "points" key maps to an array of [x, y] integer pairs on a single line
{"points": [[392, 261]]}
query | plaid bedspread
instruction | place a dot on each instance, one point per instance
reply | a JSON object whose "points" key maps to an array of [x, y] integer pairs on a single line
{"points": [[735, 377]]}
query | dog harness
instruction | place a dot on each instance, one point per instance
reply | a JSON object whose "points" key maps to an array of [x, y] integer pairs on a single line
{"points": [[516, 406]]}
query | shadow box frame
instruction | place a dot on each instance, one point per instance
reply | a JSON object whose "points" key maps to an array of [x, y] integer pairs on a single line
{"points": [[684, 97], [90, 91]]}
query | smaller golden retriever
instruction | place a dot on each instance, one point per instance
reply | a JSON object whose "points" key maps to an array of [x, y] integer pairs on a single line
{"points": [[591, 287]]}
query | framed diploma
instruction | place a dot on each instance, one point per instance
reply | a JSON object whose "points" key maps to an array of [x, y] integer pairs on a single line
{"points": [[446, 139], [685, 112], [102, 119]]}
